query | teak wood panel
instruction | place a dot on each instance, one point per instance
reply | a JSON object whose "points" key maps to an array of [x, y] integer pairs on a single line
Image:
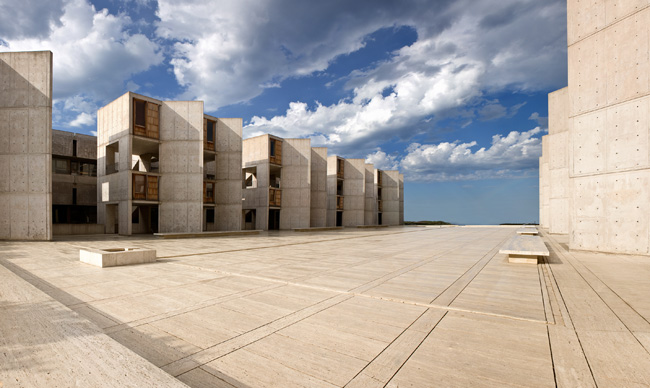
{"points": [[152, 188], [275, 197], [339, 202]]}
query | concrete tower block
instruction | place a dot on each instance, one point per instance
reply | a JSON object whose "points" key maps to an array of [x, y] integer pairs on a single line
{"points": [[401, 199], [26, 145]]}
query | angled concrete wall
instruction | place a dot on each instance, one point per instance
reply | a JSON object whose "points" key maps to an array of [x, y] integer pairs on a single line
{"points": [[318, 208], [370, 214], [390, 198], [181, 166], [295, 183], [354, 184], [228, 190], [26, 145]]}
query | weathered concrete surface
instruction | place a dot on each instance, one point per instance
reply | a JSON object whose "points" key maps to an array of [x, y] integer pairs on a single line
{"points": [[396, 307], [296, 183], [26, 145], [370, 214]]}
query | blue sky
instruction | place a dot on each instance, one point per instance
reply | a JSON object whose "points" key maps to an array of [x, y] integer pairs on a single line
{"points": [[453, 93]]}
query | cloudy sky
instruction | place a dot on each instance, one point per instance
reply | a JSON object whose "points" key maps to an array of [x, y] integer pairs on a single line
{"points": [[450, 92]]}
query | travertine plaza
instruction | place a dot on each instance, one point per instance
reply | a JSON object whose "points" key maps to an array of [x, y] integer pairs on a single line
{"points": [[324, 301]]}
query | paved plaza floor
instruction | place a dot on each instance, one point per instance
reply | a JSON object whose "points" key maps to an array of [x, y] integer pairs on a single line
{"points": [[391, 307]]}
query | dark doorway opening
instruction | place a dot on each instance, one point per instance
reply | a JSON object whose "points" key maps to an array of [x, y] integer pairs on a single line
{"points": [[274, 219], [339, 218]]}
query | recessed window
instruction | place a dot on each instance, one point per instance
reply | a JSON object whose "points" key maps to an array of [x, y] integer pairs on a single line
{"points": [[210, 134], [140, 113], [61, 166]]}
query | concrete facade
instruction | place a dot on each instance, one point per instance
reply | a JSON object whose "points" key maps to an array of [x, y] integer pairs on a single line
{"points": [[74, 181], [318, 210], [151, 175], [277, 183], [26, 145], [605, 112]]}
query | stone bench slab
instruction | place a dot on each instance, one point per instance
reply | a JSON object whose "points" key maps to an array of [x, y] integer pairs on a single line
{"points": [[524, 249], [528, 231], [112, 257]]}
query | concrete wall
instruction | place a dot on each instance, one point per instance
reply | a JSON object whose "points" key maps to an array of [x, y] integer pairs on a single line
{"points": [[77, 229], [609, 104], [25, 145], [228, 190], [181, 167], [354, 184], [113, 126], [390, 198], [608, 100], [255, 153], [558, 162], [318, 208], [295, 183], [370, 214], [62, 144]]}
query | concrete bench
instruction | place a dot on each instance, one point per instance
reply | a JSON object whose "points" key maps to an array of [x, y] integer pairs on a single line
{"points": [[528, 231], [524, 249], [113, 257]]}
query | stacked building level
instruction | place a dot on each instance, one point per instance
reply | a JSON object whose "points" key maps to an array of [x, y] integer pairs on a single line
{"points": [[165, 166]]}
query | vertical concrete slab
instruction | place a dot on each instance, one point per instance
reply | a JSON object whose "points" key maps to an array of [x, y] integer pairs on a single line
{"points": [[370, 215], [558, 162], [181, 166], [296, 183], [318, 208], [26, 145], [228, 190], [354, 184]]}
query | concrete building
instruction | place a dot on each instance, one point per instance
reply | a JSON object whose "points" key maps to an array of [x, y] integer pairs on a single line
{"points": [[74, 184], [276, 176], [346, 186], [165, 166], [603, 117], [26, 145]]}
